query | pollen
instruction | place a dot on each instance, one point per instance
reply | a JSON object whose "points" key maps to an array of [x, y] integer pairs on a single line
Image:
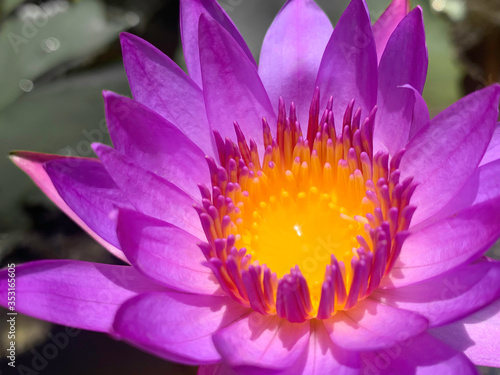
{"points": [[312, 226]]}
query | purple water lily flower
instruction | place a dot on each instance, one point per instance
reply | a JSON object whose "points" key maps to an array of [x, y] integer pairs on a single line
{"points": [[304, 216]]}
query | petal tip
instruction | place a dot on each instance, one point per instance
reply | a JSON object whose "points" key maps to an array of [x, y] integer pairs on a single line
{"points": [[204, 20], [100, 148], [107, 94], [23, 159], [15, 156], [128, 38]]}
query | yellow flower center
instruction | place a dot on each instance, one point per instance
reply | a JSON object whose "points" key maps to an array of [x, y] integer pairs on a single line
{"points": [[302, 229], [314, 226]]}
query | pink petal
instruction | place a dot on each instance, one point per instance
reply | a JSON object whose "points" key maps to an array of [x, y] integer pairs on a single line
{"points": [[348, 69], [371, 325], [157, 82], [176, 326], [423, 355], [446, 244], [493, 151], [155, 145], [149, 193], [165, 253], [448, 297], [32, 164], [74, 293], [89, 191], [291, 54], [476, 335], [444, 155], [258, 342], [404, 62], [231, 85], [387, 23], [191, 10]]}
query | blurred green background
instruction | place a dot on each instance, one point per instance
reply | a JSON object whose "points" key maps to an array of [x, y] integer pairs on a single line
{"points": [[57, 56]]}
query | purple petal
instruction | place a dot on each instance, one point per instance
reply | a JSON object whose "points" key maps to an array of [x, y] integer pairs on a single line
{"points": [[475, 335], [165, 253], [176, 326], [231, 85], [32, 163], [157, 82], [371, 325], [493, 151], [404, 62], [74, 293], [448, 297], [324, 357], [348, 69], [446, 244], [387, 23], [421, 116], [149, 193], [155, 145], [483, 186], [89, 191], [291, 54], [216, 369], [423, 355], [443, 156], [261, 341], [191, 10]]}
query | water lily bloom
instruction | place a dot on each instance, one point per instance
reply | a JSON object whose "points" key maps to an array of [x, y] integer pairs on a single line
{"points": [[302, 216]]}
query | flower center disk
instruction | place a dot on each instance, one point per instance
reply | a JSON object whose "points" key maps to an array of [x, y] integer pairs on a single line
{"points": [[302, 229], [313, 228]]}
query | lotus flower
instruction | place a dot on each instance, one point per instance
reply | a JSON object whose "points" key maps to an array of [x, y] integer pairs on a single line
{"points": [[304, 216]]}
